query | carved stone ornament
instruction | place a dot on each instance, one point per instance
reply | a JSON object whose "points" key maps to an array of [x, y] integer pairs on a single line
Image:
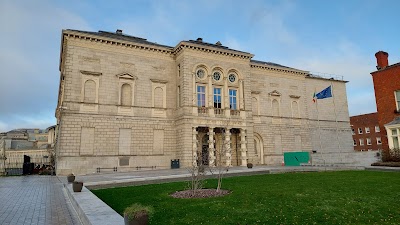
{"points": [[126, 76], [275, 93]]}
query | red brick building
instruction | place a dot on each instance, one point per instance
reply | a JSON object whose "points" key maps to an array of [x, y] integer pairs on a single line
{"points": [[387, 94], [366, 132]]}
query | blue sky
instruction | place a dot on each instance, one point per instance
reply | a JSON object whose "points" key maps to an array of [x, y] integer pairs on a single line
{"points": [[334, 37]]}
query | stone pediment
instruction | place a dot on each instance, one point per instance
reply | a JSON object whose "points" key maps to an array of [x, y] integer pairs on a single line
{"points": [[126, 76], [274, 93], [90, 73], [294, 96]]}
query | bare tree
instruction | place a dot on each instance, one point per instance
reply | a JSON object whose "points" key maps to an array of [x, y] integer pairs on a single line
{"points": [[223, 158], [197, 173]]}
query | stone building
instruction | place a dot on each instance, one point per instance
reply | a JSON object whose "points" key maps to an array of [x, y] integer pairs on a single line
{"points": [[126, 102], [387, 96]]}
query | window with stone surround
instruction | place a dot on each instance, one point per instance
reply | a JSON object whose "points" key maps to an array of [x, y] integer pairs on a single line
{"points": [[217, 97], [89, 91], [395, 137], [158, 97], [275, 107], [201, 96], [233, 99], [367, 131], [354, 142], [126, 95], [295, 109], [361, 142], [360, 130]]}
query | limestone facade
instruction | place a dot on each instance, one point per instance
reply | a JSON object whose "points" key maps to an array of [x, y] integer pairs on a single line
{"points": [[125, 102]]}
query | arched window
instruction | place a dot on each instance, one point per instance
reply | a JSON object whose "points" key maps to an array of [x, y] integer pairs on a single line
{"points": [[158, 97], [90, 91], [295, 109], [254, 105], [275, 107], [126, 95]]}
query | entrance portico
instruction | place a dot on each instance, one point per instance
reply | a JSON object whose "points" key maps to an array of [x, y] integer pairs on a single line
{"points": [[219, 146]]}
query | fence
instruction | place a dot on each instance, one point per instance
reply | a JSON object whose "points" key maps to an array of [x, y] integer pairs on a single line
{"points": [[14, 163]]}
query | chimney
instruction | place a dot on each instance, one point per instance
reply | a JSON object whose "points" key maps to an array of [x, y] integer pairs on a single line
{"points": [[381, 60], [118, 31], [199, 39]]}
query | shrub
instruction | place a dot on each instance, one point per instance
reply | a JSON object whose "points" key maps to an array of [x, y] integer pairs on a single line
{"points": [[391, 155], [136, 210]]}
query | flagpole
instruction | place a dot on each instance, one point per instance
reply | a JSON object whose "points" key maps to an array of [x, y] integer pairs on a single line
{"points": [[319, 127], [336, 121]]}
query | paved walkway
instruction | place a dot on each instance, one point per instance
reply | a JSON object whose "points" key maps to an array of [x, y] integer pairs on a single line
{"points": [[36, 200]]}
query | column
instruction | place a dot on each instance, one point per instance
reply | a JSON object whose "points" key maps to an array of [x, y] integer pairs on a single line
{"points": [[194, 147], [227, 147], [211, 149], [243, 148]]}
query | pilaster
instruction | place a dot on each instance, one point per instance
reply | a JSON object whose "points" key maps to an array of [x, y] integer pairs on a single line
{"points": [[228, 149], [243, 148], [211, 149]]}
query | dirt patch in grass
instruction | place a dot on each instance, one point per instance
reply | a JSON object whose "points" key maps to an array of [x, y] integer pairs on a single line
{"points": [[202, 193], [390, 164]]}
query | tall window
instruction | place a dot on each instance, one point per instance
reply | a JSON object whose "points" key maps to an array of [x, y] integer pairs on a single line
{"points": [[369, 141], [397, 95], [361, 142], [360, 131], [275, 108], [232, 99], [217, 98], [352, 131], [201, 96], [395, 138], [377, 129], [354, 142], [126, 95], [90, 91], [367, 130]]}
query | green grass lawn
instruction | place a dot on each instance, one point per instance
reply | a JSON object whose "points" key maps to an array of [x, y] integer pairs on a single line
{"points": [[344, 197]]}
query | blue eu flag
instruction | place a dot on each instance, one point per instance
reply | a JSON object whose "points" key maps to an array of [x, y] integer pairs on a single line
{"points": [[326, 93]]}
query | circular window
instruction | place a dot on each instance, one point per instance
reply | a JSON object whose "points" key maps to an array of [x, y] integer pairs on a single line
{"points": [[217, 76], [200, 73], [232, 77]]}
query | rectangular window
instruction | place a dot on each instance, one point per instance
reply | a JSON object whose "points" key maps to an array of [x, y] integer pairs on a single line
{"points": [[201, 96], [354, 142], [360, 131], [179, 70], [361, 142], [369, 149], [369, 141], [377, 129], [217, 98], [352, 131], [395, 138], [397, 95], [378, 141], [232, 99], [367, 130]]}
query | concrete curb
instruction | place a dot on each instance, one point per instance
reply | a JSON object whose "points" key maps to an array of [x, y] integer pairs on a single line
{"points": [[91, 210]]}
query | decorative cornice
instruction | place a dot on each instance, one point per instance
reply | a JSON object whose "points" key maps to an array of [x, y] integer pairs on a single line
{"points": [[271, 68], [159, 81], [115, 42], [209, 49], [91, 73]]}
